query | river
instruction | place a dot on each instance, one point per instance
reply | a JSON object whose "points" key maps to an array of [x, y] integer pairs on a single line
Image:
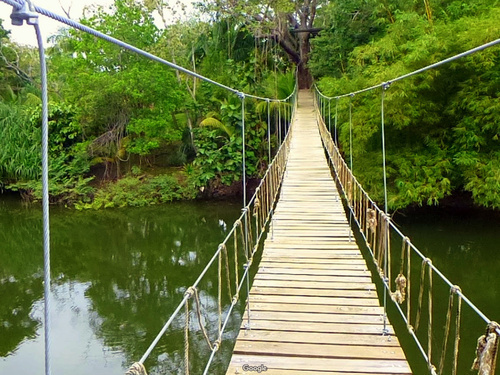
{"points": [[119, 274]]}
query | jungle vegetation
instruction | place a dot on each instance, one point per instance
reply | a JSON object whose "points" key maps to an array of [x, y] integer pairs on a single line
{"points": [[128, 131]]}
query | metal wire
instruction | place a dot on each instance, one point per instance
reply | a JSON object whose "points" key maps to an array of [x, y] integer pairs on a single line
{"points": [[21, 13], [418, 71], [45, 198]]}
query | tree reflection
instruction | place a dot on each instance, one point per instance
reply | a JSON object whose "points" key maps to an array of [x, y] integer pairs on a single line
{"points": [[137, 264]]}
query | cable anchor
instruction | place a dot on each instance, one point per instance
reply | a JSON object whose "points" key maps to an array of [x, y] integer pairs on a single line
{"points": [[25, 13]]}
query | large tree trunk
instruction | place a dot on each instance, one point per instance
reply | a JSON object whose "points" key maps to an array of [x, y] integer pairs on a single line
{"points": [[304, 75]]}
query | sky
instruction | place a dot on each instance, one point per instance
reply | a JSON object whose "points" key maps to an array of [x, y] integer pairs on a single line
{"points": [[26, 35]]}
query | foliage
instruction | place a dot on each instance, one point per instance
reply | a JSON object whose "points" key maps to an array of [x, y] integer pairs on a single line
{"points": [[114, 111], [20, 155], [442, 126], [136, 191]]}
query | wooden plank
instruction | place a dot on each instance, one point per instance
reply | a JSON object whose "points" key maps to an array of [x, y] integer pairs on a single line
{"points": [[313, 285], [341, 365], [315, 292], [328, 300], [317, 337], [316, 278], [316, 272], [310, 308], [313, 265], [322, 327], [290, 316], [275, 258], [256, 347]]}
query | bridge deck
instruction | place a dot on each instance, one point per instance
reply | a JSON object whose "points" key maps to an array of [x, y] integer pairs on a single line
{"points": [[313, 304]]}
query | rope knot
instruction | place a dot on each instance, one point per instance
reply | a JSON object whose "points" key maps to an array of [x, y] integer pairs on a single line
{"points": [[256, 207], [216, 345], [371, 219], [487, 350], [237, 223], [190, 292], [136, 369], [455, 289], [400, 294]]}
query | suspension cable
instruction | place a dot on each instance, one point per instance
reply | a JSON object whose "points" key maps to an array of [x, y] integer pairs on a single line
{"points": [[418, 71], [18, 5]]}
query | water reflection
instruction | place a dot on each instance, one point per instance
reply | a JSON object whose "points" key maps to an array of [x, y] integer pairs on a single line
{"points": [[118, 275]]}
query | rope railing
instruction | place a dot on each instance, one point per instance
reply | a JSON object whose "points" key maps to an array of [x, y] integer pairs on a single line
{"points": [[243, 240], [381, 237]]}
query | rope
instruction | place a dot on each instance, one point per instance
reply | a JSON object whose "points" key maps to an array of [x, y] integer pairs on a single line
{"points": [[228, 275], [189, 293], [399, 294], [136, 369], [219, 296], [420, 293], [200, 318], [453, 292], [487, 350]]}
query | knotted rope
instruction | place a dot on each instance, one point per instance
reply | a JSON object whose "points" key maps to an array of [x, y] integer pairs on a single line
{"points": [[455, 290], [399, 295], [136, 369], [487, 351], [189, 293]]}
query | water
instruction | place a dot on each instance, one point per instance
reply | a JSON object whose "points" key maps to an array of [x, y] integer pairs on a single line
{"points": [[118, 275], [464, 245]]}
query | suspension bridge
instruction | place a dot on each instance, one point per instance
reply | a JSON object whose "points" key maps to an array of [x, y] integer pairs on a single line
{"points": [[313, 305]]}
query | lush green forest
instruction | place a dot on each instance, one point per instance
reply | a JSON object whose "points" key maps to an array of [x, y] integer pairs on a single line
{"points": [[128, 131], [442, 126]]}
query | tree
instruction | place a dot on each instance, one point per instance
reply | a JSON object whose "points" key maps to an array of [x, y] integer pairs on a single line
{"points": [[288, 23]]}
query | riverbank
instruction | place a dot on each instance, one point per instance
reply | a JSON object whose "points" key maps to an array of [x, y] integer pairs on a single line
{"points": [[141, 190]]}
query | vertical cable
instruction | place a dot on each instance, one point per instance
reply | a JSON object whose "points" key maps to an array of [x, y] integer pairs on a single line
{"points": [[386, 236], [350, 131], [269, 130], [243, 148], [329, 116], [336, 119], [25, 12], [350, 162], [45, 197], [279, 122], [384, 87]]}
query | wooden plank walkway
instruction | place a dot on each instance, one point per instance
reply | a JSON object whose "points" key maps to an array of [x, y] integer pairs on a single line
{"points": [[314, 308]]}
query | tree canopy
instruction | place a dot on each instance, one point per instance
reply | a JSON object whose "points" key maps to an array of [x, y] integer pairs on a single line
{"points": [[443, 126]]}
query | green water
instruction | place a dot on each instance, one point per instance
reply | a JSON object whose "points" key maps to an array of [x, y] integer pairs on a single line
{"points": [[465, 247], [119, 274]]}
